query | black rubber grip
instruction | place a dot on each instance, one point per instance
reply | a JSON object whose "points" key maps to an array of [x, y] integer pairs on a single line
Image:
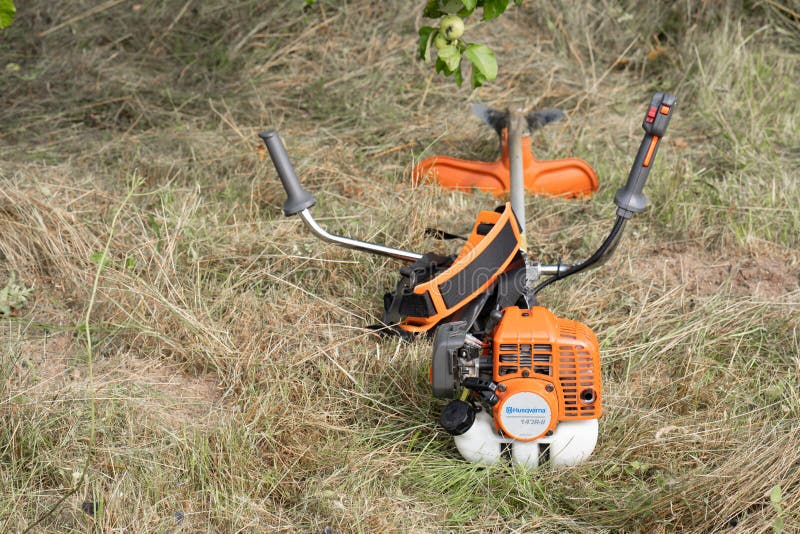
{"points": [[297, 198], [630, 199]]}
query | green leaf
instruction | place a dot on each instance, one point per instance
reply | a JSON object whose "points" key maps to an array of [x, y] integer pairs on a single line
{"points": [[470, 5], [451, 7], [477, 78], [425, 37], [458, 76], [483, 62], [777, 526], [441, 66], [451, 57], [432, 10], [100, 258], [7, 12], [494, 8], [775, 495]]}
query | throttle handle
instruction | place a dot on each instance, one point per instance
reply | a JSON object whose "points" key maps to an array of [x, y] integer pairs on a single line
{"points": [[630, 199]]}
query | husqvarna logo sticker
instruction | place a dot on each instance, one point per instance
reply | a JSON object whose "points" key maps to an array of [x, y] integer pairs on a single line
{"points": [[525, 415], [511, 409]]}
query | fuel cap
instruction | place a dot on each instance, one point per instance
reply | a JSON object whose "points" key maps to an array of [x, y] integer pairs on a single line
{"points": [[457, 417]]}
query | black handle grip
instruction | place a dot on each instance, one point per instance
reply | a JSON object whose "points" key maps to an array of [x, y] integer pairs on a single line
{"points": [[297, 198], [630, 199]]}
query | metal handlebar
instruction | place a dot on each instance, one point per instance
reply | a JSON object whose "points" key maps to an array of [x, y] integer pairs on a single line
{"points": [[629, 199], [298, 201], [355, 244]]}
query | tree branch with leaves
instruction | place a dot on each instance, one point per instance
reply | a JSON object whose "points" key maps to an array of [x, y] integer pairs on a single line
{"points": [[446, 38]]}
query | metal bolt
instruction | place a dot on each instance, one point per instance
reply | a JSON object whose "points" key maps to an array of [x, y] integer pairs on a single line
{"points": [[549, 433], [549, 388], [526, 373], [588, 396], [501, 387]]}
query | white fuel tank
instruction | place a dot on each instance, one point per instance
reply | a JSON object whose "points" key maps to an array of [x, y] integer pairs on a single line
{"points": [[571, 443]]}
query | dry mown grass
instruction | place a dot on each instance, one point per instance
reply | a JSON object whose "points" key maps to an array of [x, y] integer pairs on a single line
{"points": [[225, 373]]}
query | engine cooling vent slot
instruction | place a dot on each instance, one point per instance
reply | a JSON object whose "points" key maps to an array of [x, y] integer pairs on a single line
{"points": [[537, 358], [534, 357], [543, 359], [569, 332], [509, 354], [576, 373], [525, 356]]}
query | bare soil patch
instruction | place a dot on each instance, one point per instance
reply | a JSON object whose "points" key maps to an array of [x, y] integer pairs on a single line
{"points": [[768, 276]]}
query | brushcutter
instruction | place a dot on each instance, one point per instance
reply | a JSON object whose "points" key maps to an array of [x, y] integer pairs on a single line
{"points": [[523, 382]]}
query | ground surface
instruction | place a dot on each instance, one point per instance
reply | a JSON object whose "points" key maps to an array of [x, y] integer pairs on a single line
{"points": [[212, 372]]}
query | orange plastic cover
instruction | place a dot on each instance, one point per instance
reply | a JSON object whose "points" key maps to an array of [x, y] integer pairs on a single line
{"points": [[570, 177], [534, 350]]}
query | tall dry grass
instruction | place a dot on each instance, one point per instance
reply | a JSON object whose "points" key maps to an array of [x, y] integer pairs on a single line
{"points": [[234, 384]]}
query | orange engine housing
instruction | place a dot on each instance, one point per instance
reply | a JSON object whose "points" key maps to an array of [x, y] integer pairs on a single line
{"points": [[536, 354]]}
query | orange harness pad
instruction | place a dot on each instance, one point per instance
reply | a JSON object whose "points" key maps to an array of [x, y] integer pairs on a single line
{"points": [[569, 178], [490, 248]]}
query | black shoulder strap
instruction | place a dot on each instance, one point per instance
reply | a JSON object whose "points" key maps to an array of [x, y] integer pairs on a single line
{"points": [[404, 302]]}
